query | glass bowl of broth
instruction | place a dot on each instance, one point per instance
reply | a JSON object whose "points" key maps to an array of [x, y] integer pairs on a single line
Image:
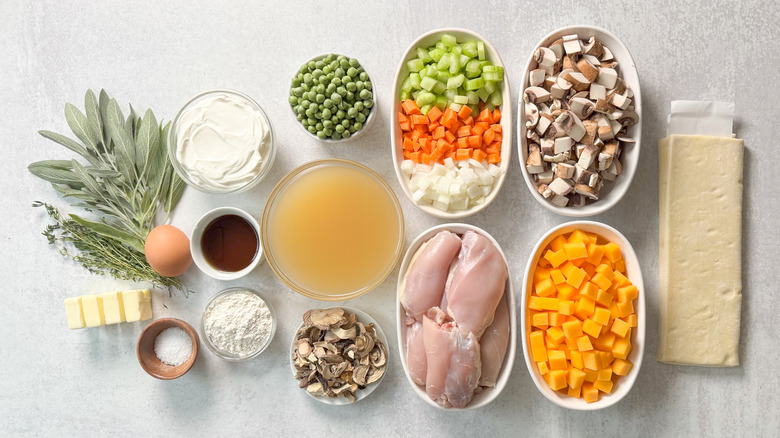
{"points": [[332, 229], [225, 243]]}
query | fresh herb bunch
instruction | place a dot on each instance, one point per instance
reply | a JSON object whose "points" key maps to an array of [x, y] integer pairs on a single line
{"points": [[126, 180]]}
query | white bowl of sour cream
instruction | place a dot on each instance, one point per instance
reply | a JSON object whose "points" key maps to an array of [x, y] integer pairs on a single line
{"points": [[221, 141]]}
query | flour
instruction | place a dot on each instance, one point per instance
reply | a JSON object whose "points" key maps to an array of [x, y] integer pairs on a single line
{"points": [[239, 323]]}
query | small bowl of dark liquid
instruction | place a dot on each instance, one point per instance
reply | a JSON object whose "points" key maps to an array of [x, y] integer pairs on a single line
{"points": [[225, 243]]}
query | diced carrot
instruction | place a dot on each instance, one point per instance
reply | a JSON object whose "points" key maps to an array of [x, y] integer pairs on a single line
{"points": [[499, 138], [410, 107], [449, 117], [416, 135], [488, 136], [419, 119], [432, 126], [494, 158], [464, 131], [484, 115], [464, 112], [478, 155], [436, 155], [426, 158], [475, 141], [426, 148], [496, 127], [462, 154], [422, 143], [438, 133], [480, 128], [494, 148], [462, 142], [468, 121], [496, 115], [434, 113], [448, 135], [402, 117], [406, 126], [415, 156], [408, 144], [450, 154]]}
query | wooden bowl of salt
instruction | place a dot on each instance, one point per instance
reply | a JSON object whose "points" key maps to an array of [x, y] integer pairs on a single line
{"points": [[167, 348]]}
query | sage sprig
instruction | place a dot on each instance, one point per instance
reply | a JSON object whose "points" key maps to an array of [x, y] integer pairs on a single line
{"points": [[125, 181]]}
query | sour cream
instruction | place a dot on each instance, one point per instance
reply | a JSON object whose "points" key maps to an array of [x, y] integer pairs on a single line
{"points": [[223, 141]]}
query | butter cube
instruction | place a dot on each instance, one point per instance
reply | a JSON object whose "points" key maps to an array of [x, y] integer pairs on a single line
{"points": [[137, 305], [92, 305], [113, 308], [74, 313]]}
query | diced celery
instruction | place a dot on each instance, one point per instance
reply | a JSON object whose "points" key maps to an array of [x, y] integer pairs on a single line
{"points": [[439, 88], [414, 79], [492, 76], [488, 68], [456, 106], [423, 54], [457, 49], [454, 63], [425, 98], [403, 95], [490, 87], [443, 76], [485, 63], [455, 81], [444, 62], [483, 94], [473, 97], [470, 48], [463, 60], [461, 100], [425, 108], [473, 69], [441, 102], [496, 98], [415, 93], [435, 54], [415, 64], [450, 94], [440, 45], [428, 83], [475, 84], [474, 109], [431, 71], [480, 50], [448, 40], [406, 85]]}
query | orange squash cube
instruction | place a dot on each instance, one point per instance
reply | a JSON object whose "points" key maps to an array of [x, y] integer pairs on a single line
{"points": [[612, 252], [557, 379], [603, 386], [557, 277], [572, 329], [566, 307], [576, 378], [540, 320], [600, 316], [557, 319], [595, 253], [557, 360], [543, 369], [545, 288], [576, 359], [557, 243], [576, 250], [589, 393], [591, 327], [555, 258], [620, 328], [622, 367], [538, 350], [583, 343], [621, 348]]}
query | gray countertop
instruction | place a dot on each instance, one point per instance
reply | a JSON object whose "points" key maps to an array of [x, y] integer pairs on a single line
{"points": [[89, 383]]}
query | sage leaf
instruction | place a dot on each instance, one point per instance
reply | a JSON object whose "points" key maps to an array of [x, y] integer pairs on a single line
{"points": [[79, 125], [65, 141], [106, 230], [103, 105], [148, 135], [54, 175], [123, 144], [93, 116]]}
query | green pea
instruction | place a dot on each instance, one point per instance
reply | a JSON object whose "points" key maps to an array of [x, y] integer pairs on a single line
{"points": [[304, 69], [323, 80], [318, 115], [329, 77], [336, 136], [321, 134], [346, 134], [328, 58], [297, 91], [301, 117], [339, 72], [333, 65], [296, 82], [366, 111], [360, 86], [305, 87], [340, 114], [312, 65], [319, 64], [299, 109], [336, 98], [344, 63], [326, 113], [328, 103], [346, 79], [307, 78], [327, 69], [292, 99], [369, 86], [309, 113], [313, 106], [320, 98], [368, 103], [316, 73], [327, 124], [360, 118], [304, 103], [312, 121], [312, 129], [363, 76], [357, 126], [342, 91], [335, 119], [358, 105], [318, 126], [354, 62], [336, 81], [319, 89], [345, 123], [339, 128], [365, 94], [352, 72], [350, 96], [351, 86], [311, 95]]}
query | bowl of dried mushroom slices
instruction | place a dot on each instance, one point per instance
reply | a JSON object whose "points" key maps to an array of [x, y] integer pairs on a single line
{"points": [[338, 355], [580, 121]]}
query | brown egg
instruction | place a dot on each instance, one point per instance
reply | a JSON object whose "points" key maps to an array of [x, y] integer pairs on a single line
{"points": [[167, 250]]}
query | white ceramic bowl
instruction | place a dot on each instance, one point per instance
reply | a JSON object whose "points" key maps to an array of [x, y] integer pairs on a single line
{"points": [[487, 395], [369, 120], [366, 319], [425, 40], [197, 235], [615, 190], [625, 383]]}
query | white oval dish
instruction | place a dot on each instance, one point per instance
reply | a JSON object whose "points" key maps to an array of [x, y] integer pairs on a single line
{"points": [[369, 119], [613, 191], [197, 235], [425, 40], [366, 319], [634, 273], [487, 395]]}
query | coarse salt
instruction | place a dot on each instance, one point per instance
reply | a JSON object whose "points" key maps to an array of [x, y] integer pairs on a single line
{"points": [[173, 346]]}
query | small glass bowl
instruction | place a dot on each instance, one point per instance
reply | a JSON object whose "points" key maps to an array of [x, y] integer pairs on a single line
{"points": [[270, 206], [224, 354], [196, 248], [182, 172], [369, 119]]}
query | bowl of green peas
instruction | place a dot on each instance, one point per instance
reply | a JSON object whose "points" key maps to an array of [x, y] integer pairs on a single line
{"points": [[333, 98]]}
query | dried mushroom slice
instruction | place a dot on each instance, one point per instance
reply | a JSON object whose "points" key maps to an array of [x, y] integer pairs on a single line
{"points": [[336, 355]]}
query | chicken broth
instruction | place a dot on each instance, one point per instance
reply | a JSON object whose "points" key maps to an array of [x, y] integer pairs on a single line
{"points": [[334, 229]]}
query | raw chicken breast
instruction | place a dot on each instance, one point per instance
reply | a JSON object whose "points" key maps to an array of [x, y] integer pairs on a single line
{"points": [[423, 285], [477, 284], [437, 355], [464, 371], [494, 344], [415, 353]]}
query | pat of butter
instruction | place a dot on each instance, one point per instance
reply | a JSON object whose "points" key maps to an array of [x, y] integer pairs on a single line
{"points": [[137, 305], [113, 307], [92, 305], [74, 313]]}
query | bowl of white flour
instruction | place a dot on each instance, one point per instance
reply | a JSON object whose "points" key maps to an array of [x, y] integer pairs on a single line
{"points": [[238, 324]]}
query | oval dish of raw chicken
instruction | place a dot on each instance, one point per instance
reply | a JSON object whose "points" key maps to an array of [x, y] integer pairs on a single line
{"points": [[457, 327]]}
